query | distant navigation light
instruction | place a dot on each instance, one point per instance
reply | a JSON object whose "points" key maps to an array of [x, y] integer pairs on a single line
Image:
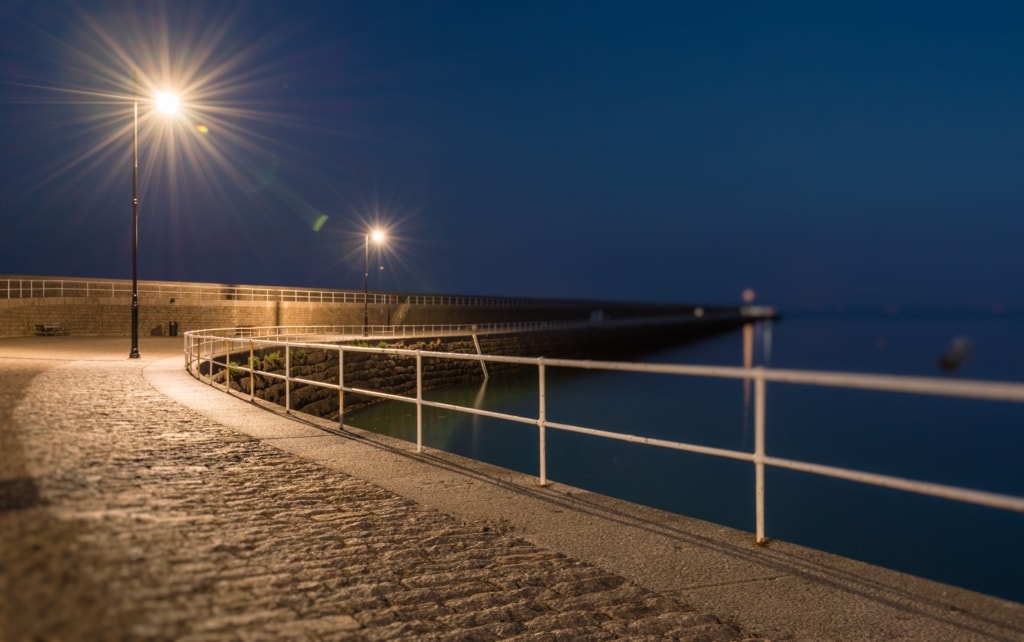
{"points": [[748, 295]]}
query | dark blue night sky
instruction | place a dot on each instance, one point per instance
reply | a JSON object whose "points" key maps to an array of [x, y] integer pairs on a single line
{"points": [[822, 153]]}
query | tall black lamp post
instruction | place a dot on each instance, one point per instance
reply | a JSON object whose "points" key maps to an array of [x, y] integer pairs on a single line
{"points": [[134, 354], [167, 103]]}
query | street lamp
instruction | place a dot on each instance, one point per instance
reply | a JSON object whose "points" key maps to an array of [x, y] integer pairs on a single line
{"points": [[378, 238], [168, 104]]}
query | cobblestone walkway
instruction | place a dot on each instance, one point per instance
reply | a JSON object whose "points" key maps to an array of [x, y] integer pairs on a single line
{"points": [[125, 516]]}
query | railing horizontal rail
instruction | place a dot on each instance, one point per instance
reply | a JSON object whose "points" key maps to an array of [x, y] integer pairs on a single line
{"points": [[312, 382], [202, 347], [329, 335], [379, 394], [15, 287], [650, 441], [476, 411], [979, 497], [992, 390]]}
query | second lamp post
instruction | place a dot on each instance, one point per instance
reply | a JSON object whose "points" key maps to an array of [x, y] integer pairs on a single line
{"points": [[377, 236]]}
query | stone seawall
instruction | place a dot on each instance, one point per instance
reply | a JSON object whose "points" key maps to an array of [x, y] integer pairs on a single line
{"points": [[112, 316], [396, 374], [103, 307]]}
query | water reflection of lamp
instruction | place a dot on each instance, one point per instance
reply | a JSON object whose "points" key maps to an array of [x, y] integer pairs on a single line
{"points": [[748, 359], [748, 332]]}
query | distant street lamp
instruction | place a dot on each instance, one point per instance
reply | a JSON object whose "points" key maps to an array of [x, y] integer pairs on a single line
{"points": [[378, 238], [168, 104]]}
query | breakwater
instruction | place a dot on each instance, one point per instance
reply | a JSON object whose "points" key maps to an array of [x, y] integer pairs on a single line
{"points": [[101, 307]]}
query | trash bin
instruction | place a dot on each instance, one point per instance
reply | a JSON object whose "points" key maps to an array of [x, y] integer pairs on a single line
{"points": [[172, 328]]}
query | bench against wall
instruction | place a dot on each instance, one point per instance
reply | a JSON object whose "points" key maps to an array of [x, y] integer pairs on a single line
{"points": [[50, 329]]}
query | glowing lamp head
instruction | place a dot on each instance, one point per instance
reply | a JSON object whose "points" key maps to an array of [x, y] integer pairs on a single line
{"points": [[167, 102], [377, 236]]}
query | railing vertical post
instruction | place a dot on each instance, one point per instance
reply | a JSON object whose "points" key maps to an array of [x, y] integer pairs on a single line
{"points": [[252, 371], [542, 422], [287, 379], [341, 388], [419, 401], [209, 361], [759, 453]]}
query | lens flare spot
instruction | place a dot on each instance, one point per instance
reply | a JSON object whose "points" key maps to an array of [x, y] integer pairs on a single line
{"points": [[319, 222], [202, 129]]}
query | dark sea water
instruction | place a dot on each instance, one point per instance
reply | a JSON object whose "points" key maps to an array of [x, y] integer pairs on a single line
{"points": [[969, 443]]}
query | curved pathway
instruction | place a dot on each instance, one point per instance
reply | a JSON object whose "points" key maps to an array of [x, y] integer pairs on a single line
{"points": [[128, 516]]}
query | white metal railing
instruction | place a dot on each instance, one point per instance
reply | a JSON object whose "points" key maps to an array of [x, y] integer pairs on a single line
{"points": [[34, 288], [206, 346], [335, 333], [40, 287]]}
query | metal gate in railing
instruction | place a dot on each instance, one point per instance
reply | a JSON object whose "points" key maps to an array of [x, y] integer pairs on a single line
{"points": [[211, 349]]}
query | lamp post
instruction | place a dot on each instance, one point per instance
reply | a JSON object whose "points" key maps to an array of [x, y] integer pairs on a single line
{"points": [[167, 103], [134, 354], [378, 238]]}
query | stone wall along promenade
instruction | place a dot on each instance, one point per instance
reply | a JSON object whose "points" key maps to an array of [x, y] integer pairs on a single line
{"points": [[102, 307]]}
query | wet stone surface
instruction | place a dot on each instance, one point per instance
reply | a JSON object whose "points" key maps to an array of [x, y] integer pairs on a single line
{"points": [[124, 516]]}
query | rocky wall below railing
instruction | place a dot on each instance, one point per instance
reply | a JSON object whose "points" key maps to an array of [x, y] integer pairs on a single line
{"points": [[396, 374]]}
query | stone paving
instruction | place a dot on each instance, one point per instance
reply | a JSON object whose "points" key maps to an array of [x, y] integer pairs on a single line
{"points": [[125, 516]]}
